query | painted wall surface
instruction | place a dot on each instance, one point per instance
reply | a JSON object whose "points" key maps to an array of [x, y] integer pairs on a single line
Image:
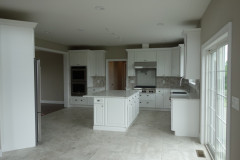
{"points": [[51, 75], [116, 53], [17, 101], [50, 45], [219, 13]]}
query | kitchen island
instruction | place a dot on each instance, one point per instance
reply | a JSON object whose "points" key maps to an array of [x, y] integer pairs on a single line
{"points": [[115, 110]]}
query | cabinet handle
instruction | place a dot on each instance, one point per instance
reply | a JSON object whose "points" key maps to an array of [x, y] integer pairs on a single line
{"points": [[98, 100]]}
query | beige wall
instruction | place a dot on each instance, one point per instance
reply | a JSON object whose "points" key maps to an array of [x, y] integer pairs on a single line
{"points": [[52, 75], [116, 53], [50, 45], [216, 16]]}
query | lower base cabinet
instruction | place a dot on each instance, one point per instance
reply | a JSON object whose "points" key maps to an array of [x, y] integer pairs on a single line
{"points": [[115, 114], [159, 100], [98, 114]]}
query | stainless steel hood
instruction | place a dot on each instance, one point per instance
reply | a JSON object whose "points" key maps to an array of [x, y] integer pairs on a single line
{"points": [[140, 65]]}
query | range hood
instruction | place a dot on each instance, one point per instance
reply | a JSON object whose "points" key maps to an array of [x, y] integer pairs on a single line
{"points": [[140, 65]]}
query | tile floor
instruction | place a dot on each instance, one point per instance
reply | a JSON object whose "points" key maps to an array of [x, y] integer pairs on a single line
{"points": [[68, 135]]}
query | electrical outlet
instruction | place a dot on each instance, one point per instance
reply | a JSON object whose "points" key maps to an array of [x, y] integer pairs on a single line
{"points": [[235, 103]]}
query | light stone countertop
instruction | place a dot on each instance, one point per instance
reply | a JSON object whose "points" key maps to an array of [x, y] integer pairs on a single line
{"points": [[189, 96], [113, 94]]}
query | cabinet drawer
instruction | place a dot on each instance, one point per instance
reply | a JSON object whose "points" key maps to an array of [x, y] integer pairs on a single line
{"points": [[148, 104], [98, 100], [78, 100], [145, 96]]}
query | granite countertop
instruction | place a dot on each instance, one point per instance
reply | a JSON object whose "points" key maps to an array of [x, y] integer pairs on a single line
{"points": [[188, 96], [113, 93]]}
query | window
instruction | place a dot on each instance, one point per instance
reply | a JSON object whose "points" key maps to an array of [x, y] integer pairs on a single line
{"points": [[216, 90]]}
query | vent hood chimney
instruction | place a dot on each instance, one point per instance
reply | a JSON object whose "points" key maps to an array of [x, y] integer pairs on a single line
{"points": [[141, 65]]}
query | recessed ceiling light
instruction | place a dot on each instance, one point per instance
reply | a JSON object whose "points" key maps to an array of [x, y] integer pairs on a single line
{"points": [[99, 8], [160, 24]]}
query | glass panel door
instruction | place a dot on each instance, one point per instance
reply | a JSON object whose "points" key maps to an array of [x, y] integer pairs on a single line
{"points": [[217, 101]]}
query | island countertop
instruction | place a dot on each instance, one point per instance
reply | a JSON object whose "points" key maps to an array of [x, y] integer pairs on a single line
{"points": [[113, 93]]}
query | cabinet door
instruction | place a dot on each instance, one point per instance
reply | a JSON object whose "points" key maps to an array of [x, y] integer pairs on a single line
{"points": [[175, 62], [100, 63], [164, 63], [130, 111], [167, 64], [98, 114], [192, 42], [130, 62], [160, 63], [115, 112], [166, 100], [159, 99], [145, 56], [78, 59]]}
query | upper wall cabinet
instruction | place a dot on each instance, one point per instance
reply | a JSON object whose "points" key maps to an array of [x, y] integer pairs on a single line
{"points": [[130, 63], [168, 60], [145, 56], [164, 62], [99, 60], [192, 40], [175, 61]]}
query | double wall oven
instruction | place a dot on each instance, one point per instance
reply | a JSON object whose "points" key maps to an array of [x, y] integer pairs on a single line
{"points": [[78, 80]]}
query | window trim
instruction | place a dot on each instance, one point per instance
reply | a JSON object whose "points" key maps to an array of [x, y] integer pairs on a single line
{"points": [[224, 33]]}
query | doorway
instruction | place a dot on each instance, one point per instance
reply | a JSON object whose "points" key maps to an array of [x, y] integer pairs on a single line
{"points": [[116, 74]]}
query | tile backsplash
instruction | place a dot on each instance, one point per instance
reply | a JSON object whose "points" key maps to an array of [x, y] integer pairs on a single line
{"points": [[170, 82], [99, 81]]}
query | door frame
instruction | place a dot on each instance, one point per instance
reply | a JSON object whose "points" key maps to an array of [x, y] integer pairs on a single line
{"points": [[224, 33], [115, 60]]}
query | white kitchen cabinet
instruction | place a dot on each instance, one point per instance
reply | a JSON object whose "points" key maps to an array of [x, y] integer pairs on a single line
{"points": [[175, 62], [164, 62], [182, 63], [99, 61], [167, 98], [147, 100], [91, 91], [99, 114], [192, 42], [145, 55], [130, 64], [185, 117], [78, 100], [163, 99], [115, 112], [159, 98]]}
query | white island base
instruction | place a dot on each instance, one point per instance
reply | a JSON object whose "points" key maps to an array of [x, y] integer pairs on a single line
{"points": [[115, 110]]}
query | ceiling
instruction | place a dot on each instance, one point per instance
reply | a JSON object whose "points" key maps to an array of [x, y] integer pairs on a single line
{"points": [[107, 22]]}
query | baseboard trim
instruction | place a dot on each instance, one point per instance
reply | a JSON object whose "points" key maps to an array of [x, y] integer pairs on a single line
{"points": [[52, 102], [106, 128]]}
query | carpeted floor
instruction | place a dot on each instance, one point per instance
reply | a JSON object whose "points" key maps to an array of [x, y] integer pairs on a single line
{"points": [[49, 108]]}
